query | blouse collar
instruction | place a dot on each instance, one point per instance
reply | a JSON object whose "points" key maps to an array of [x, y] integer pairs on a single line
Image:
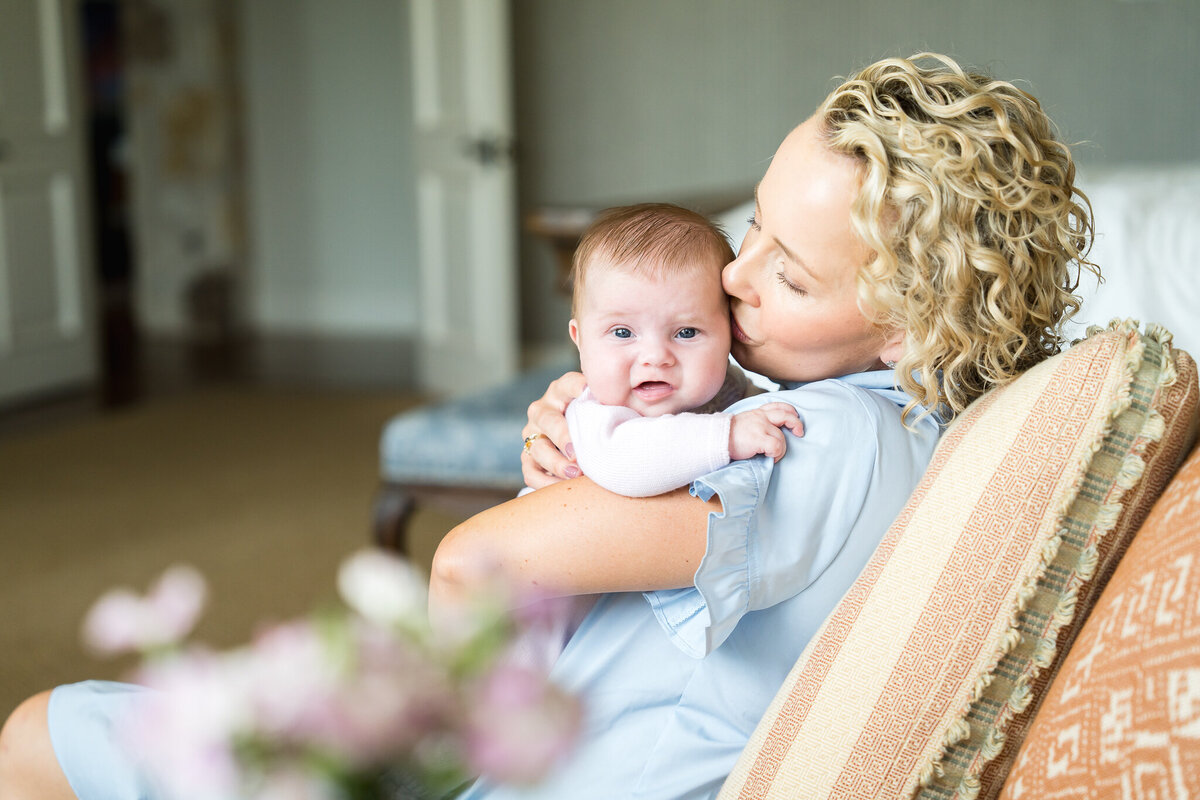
{"points": [[879, 381]]}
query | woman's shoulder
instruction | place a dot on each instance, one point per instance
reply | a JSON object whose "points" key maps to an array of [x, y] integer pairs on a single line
{"points": [[852, 420], [873, 399]]}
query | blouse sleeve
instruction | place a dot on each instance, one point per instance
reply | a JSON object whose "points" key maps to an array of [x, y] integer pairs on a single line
{"points": [[781, 523]]}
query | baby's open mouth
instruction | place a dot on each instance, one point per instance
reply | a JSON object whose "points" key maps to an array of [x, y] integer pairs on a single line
{"points": [[650, 390]]}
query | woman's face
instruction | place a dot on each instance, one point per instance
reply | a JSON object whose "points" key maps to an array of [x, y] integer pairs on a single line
{"points": [[792, 288]]}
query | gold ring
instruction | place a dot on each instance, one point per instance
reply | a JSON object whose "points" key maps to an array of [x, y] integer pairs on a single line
{"points": [[529, 440]]}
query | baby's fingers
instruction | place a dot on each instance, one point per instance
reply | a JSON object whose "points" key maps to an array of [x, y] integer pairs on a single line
{"points": [[783, 415], [774, 445]]}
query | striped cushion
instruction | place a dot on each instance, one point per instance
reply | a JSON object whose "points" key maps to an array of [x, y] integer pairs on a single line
{"points": [[1122, 718], [923, 678]]}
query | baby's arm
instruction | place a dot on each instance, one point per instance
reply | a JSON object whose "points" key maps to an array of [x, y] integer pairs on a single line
{"points": [[645, 456], [638, 456], [760, 430]]}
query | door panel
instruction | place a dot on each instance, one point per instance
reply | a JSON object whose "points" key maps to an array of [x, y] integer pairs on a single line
{"points": [[46, 339], [466, 190]]}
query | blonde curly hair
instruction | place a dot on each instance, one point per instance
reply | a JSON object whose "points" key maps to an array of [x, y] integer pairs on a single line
{"points": [[968, 201]]}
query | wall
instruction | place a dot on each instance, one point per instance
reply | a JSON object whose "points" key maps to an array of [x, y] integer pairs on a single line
{"points": [[619, 100], [331, 202], [626, 100]]}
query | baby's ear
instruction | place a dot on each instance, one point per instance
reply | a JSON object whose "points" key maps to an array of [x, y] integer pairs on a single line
{"points": [[573, 329]]}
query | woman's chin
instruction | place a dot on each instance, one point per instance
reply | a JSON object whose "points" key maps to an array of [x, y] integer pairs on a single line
{"points": [[746, 360]]}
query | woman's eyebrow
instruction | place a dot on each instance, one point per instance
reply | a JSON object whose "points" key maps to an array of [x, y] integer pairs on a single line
{"points": [[787, 251], [797, 260]]}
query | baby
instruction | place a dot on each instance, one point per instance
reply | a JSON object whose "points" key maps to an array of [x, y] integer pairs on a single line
{"points": [[651, 322], [652, 325]]}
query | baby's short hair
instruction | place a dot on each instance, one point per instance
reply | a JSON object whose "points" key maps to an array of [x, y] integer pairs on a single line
{"points": [[652, 239]]}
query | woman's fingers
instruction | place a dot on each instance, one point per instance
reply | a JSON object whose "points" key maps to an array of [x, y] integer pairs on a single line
{"points": [[549, 456], [560, 393], [542, 464], [535, 477]]}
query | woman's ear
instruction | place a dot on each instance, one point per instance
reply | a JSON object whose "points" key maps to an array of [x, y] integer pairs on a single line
{"points": [[573, 329], [893, 347]]}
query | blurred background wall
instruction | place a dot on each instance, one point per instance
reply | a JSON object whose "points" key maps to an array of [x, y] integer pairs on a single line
{"points": [[270, 159], [627, 100], [329, 154]]}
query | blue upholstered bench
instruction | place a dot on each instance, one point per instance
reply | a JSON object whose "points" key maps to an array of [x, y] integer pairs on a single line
{"points": [[462, 455]]}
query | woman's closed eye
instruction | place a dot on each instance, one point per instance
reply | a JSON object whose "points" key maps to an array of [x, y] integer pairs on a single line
{"points": [[753, 221], [791, 287]]}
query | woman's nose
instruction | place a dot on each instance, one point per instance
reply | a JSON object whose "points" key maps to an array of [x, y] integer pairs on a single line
{"points": [[738, 279]]}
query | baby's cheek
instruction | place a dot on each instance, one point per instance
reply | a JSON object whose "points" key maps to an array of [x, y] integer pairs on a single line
{"points": [[610, 389]]}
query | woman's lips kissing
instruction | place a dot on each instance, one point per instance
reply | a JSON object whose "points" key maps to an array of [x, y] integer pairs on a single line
{"points": [[738, 333]]}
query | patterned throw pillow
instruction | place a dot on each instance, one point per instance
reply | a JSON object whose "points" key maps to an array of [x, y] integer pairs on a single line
{"points": [[925, 677], [1122, 718]]}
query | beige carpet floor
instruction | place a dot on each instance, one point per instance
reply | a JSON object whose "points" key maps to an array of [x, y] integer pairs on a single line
{"points": [[263, 490]]}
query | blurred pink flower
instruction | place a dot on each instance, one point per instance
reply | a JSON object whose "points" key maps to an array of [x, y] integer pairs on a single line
{"points": [[113, 624], [293, 784], [318, 707], [121, 621], [383, 588], [362, 696], [292, 679], [186, 728], [396, 696], [520, 725]]}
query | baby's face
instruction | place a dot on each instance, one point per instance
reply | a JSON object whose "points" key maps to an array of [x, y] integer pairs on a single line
{"points": [[656, 345]]}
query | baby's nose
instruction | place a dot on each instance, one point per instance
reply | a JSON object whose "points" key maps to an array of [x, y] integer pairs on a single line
{"points": [[657, 354]]}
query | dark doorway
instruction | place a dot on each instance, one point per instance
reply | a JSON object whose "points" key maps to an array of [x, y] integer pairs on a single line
{"points": [[104, 87]]}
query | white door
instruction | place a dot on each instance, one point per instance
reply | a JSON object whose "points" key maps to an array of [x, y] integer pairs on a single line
{"points": [[46, 335], [466, 193]]}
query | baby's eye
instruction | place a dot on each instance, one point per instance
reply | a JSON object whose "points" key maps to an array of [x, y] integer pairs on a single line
{"points": [[687, 333], [622, 333]]}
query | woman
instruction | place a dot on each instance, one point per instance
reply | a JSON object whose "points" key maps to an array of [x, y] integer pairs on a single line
{"points": [[911, 248], [924, 219]]}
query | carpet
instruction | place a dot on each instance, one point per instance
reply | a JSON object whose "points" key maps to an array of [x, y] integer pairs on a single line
{"points": [[264, 490]]}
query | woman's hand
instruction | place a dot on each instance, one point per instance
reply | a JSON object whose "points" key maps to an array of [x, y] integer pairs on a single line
{"points": [[549, 458]]}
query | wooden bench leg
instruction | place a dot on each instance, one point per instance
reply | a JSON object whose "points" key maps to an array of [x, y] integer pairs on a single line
{"points": [[394, 506]]}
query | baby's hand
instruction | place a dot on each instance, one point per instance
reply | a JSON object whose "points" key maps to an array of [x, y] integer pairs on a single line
{"points": [[759, 431]]}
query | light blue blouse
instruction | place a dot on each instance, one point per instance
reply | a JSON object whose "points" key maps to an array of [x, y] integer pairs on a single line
{"points": [[674, 682]]}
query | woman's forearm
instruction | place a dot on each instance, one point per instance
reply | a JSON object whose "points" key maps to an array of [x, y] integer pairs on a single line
{"points": [[574, 538]]}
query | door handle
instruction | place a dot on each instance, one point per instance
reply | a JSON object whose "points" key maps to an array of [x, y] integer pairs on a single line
{"points": [[490, 150]]}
